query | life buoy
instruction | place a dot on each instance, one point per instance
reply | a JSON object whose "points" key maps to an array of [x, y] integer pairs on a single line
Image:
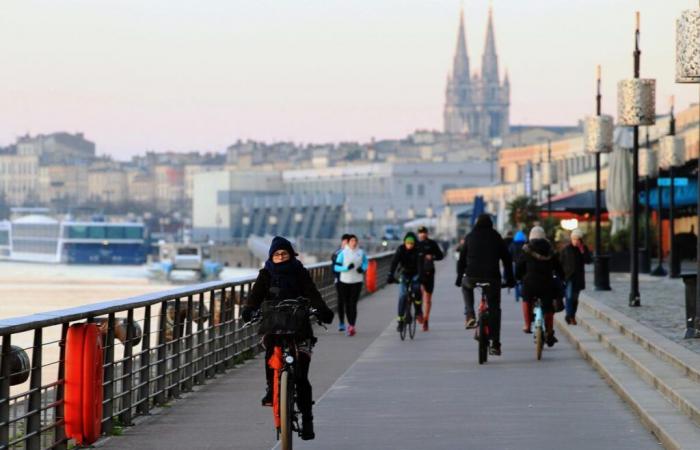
{"points": [[83, 383], [371, 279]]}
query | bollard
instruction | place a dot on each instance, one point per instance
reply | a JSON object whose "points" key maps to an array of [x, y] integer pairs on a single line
{"points": [[602, 272], [690, 281], [644, 261]]}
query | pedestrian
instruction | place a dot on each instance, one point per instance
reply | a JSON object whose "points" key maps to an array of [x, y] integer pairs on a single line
{"points": [[573, 257], [479, 262], [536, 267], [516, 249], [428, 252], [351, 263], [336, 281]]}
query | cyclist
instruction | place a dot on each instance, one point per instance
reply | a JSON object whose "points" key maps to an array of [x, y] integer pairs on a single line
{"points": [[406, 257], [478, 262], [284, 277], [428, 252], [336, 271], [536, 267]]}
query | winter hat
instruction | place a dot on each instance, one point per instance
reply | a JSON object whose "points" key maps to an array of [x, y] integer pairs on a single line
{"points": [[537, 233], [520, 237], [280, 243], [576, 233], [410, 237]]}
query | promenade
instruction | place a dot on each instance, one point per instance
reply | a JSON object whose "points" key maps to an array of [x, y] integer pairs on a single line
{"points": [[375, 392]]}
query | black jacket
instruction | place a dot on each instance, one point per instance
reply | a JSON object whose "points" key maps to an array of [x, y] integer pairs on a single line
{"points": [[572, 263], [407, 259], [482, 250], [428, 247], [536, 267]]}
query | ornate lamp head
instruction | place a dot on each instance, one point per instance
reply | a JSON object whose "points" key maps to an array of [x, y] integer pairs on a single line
{"points": [[636, 102], [598, 134], [672, 151], [647, 163], [688, 47]]}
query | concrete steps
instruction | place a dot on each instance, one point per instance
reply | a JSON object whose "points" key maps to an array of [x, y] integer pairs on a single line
{"points": [[658, 378]]}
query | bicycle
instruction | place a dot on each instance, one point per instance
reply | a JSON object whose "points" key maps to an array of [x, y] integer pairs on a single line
{"points": [[538, 325], [283, 363], [482, 332], [408, 319]]}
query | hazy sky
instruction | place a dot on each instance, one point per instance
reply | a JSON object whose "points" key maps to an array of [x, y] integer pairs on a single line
{"points": [[184, 75]]}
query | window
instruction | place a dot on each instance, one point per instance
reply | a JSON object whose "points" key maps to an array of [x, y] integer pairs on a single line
{"points": [[96, 232], [115, 232], [421, 190], [409, 190]]}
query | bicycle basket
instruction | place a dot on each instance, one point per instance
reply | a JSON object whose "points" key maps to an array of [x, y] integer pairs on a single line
{"points": [[283, 319]]}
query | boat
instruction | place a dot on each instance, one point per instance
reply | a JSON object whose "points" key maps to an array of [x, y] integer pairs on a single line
{"points": [[185, 262]]}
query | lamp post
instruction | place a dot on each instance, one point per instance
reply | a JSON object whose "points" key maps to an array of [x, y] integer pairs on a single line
{"points": [[598, 138], [672, 155], [635, 108], [688, 71], [648, 170]]}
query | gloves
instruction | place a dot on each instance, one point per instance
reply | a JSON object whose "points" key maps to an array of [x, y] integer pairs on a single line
{"points": [[326, 315], [247, 314], [458, 281], [360, 270], [351, 266], [390, 279]]}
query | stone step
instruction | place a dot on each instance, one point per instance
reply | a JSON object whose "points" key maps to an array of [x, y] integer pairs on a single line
{"points": [[673, 428], [669, 351], [671, 382]]}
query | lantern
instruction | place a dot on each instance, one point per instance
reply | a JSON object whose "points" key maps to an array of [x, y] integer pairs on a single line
{"points": [[636, 103], [647, 163], [688, 47], [672, 149], [598, 134]]}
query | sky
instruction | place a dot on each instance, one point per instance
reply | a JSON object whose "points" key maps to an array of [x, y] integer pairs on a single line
{"points": [[199, 75]]}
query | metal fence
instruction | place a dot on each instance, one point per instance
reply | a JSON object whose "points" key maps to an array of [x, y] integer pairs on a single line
{"points": [[156, 346]]}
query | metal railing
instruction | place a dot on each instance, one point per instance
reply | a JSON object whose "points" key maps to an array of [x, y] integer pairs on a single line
{"points": [[156, 346]]}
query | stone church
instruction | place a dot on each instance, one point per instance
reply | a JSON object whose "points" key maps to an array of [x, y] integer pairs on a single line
{"points": [[477, 104]]}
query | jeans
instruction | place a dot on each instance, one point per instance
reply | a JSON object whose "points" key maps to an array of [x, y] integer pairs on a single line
{"points": [[414, 284], [571, 299], [493, 298]]}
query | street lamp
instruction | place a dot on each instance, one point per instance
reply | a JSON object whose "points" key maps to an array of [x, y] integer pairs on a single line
{"points": [[648, 169], [411, 213], [635, 107], [688, 71], [598, 138], [671, 150]]}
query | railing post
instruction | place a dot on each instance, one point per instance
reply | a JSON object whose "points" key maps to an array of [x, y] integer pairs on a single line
{"points": [[145, 362], [175, 390], [189, 364], [201, 348], [108, 387], [211, 336], [162, 364], [5, 391], [127, 368], [34, 406], [59, 431], [230, 327], [221, 334]]}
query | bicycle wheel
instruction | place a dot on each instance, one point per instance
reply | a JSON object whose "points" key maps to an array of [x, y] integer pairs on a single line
{"points": [[539, 340], [483, 339], [412, 323], [286, 411]]}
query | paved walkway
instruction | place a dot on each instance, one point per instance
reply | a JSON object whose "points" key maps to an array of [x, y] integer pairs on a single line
{"points": [[376, 392]]}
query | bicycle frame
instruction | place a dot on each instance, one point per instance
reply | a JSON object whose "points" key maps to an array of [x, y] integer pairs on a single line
{"points": [[538, 315], [283, 359]]}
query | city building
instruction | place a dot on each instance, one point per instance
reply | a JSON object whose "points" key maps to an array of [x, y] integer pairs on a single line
{"points": [[107, 185], [57, 148], [477, 104], [18, 178], [63, 185]]}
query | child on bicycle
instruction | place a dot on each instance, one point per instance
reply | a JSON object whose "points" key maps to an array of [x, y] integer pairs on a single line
{"points": [[536, 268], [406, 257], [282, 278]]}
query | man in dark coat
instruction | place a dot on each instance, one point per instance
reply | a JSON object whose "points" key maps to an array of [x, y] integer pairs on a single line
{"points": [[573, 257], [282, 278], [478, 262], [428, 252]]}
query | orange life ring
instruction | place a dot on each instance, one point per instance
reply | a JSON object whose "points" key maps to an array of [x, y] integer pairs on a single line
{"points": [[83, 383], [371, 280]]}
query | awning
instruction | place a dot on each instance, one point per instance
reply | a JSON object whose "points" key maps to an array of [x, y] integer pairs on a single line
{"points": [[684, 196]]}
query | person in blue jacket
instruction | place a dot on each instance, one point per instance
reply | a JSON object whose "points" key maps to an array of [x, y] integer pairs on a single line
{"points": [[351, 263], [336, 281]]}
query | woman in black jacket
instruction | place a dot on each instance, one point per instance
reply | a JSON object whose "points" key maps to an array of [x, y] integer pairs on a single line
{"points": [[573, 257], [535, 268], [282, 278]]}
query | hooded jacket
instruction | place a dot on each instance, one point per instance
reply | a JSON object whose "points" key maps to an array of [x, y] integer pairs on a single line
{"points": [[358, 259], [482, 251], [407, 259], [536, 267], [572, 263]]}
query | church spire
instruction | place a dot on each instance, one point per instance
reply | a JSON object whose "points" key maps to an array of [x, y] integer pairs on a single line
{"points": [[489, 60], [460, 70]]}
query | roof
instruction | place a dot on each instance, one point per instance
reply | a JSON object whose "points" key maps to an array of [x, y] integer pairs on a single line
{"points": [[576, 202]]}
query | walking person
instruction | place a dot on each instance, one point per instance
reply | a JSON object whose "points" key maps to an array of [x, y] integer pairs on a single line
{"points": [[352, 264], [428, 252], [573, 257], [479, 260], [336, 281], [536, 268], [516, 249]]}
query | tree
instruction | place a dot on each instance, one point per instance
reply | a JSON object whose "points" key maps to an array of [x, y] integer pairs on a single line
{"points": [[523, 212]]}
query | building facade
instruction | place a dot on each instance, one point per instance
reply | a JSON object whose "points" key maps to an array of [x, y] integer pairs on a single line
{"points": [[477, 104], [18, 178]]}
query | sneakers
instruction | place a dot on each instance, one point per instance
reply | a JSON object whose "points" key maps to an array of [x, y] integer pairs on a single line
{"points": [[399, 326], [425, 325], [573, 321], [307, 428], [341, 327], [495, 349], [469, 323], [351, 330], [267, 398], [550, 339]]}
